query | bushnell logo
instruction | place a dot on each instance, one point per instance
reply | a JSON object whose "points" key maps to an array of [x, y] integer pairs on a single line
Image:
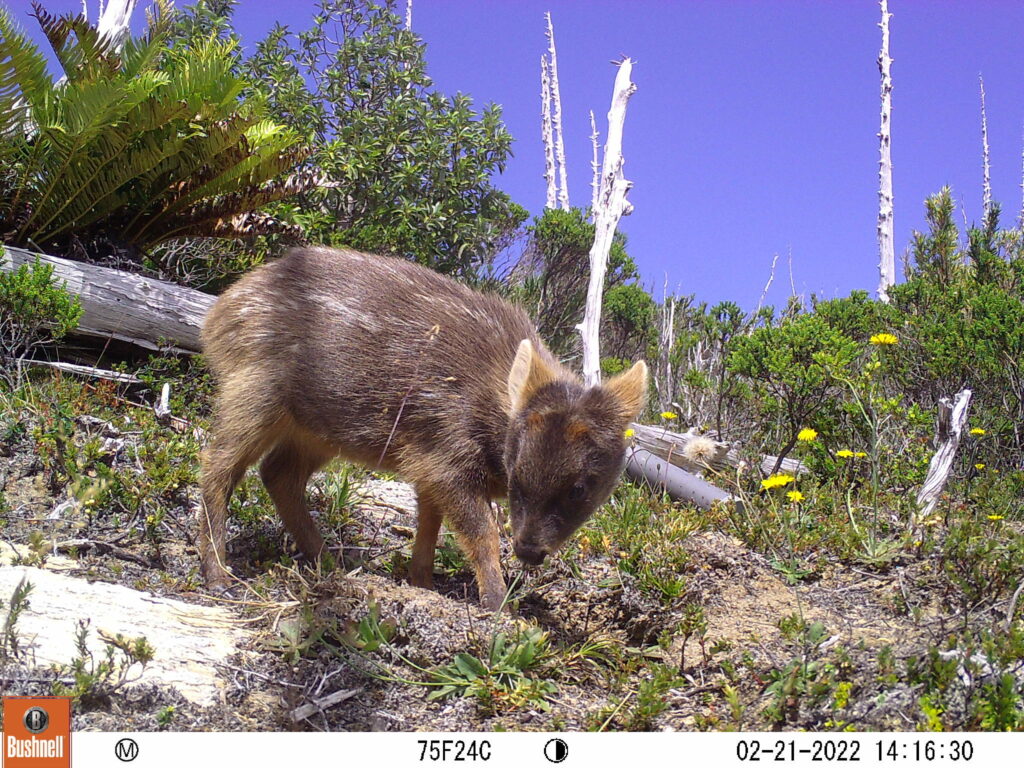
{"points": [[37, 732], [36, 720]]}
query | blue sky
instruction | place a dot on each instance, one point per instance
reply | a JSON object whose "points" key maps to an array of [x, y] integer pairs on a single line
{"points": [[753, 131]]}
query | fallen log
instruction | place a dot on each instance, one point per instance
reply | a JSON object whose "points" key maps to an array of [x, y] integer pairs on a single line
{"points": [[645, 467], [676, 449], [148, 313]]}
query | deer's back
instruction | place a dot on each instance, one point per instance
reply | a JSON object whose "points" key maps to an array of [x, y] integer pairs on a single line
{"points": [[371, 352]]}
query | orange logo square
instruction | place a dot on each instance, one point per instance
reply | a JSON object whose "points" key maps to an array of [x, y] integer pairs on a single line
{"points": [[37, 732]]}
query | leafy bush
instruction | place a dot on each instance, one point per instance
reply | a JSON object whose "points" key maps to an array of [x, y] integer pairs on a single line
{"points": [[33, 309], [406, 169], [792, 368]]}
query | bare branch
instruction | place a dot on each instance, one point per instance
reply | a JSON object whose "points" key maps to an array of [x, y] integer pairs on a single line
{"points": [[771, 278], [114, 20]]}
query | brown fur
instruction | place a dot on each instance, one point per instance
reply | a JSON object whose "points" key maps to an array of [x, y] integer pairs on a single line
{"points": [[330, 353]]}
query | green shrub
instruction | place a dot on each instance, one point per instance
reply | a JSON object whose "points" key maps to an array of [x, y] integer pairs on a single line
{"points": [[792, 367], [33, 310]]}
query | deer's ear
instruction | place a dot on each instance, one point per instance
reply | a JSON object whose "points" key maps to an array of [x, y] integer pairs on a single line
{"points": [[630, 391], [528, 374]]}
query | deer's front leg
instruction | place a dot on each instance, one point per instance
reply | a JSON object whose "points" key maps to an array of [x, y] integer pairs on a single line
{"points": [[471, 518]]}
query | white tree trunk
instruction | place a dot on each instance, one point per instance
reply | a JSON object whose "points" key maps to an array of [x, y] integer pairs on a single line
{"points": [[114, 20], [951, 421], [149, 313], [556, 103], [611, 206], [546, 135], [986, 182], [886, 248], [408, 14], [595, 164]]}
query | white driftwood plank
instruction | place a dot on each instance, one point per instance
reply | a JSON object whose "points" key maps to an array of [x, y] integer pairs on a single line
{"points": [[189, 640]]}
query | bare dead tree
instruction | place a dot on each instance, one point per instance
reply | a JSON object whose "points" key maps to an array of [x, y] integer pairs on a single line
{"points": [[595, 164], [611, 206], [986, 182], [771, 279], [556, 114], [547, 134], [408, 14], [886, 248]]}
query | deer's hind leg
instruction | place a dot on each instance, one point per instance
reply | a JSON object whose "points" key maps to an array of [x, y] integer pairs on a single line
{"points": [[242, 432], [429, 517], [285, 472]]}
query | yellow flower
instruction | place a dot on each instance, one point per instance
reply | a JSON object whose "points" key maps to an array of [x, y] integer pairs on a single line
{"points": [[629, 433], [978, 431], [860, 454], [979, 467], [995, 517], [669, 415], [845, 454], [883, 339], [777, 481], [807, 435], [795, 496]]}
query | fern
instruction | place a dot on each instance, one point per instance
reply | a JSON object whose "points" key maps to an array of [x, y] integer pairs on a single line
{"points": [[136, 144]]}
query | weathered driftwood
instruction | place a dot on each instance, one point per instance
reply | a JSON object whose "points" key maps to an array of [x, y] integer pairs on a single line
{"points": [[149, 313], [643, 466], [951, 421], [189, 640], [676, 448]]}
